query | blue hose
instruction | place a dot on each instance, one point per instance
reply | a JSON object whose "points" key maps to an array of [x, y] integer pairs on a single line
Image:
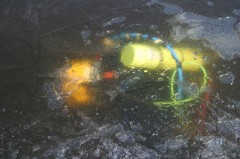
{"points": [[179, 71]]}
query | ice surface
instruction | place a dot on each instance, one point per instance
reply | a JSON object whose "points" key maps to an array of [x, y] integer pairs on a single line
{"points": [[114, 21], [162, 148], [172, 145], [14, 154], [100, 141], [125, 137], [168, 8], [216, 147], [219, 32], [236, 12], [230, 127], [176, 143], [190, 88], [210, 3], [36, 148], [53, 96], [46, 133], [238, 27], [85, 34], [136, 127], [153, 27], [227, 78]]}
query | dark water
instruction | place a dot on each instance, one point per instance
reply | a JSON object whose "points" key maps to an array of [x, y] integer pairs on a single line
{"points": [[39, 37]]}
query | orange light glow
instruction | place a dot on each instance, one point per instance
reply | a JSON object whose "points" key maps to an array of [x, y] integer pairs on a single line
{"points": [[75, 83]]}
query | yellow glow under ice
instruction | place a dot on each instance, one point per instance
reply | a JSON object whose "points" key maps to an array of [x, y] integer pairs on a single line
{"points": [[74, 85]]}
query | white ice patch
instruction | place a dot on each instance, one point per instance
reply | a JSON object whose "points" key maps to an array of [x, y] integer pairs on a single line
{"points": [[219, 32]]}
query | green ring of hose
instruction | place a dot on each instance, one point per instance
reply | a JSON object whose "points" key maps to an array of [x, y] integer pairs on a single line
{"points": [[175, 102]]}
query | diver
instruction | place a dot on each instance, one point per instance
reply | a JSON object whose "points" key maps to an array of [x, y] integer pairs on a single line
{"points": [[145, 67]]}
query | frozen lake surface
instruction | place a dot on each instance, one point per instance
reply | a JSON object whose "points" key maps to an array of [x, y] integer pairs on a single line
{"points": [[39, 38]]}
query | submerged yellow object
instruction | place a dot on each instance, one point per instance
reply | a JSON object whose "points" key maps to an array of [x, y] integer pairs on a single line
{"points": [[140, 56], [151, 57], [74, 83], [79, 95], [82, 71]]}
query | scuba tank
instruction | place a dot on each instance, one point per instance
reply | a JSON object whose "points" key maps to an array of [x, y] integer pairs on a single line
{"points": [[136, 55]]}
